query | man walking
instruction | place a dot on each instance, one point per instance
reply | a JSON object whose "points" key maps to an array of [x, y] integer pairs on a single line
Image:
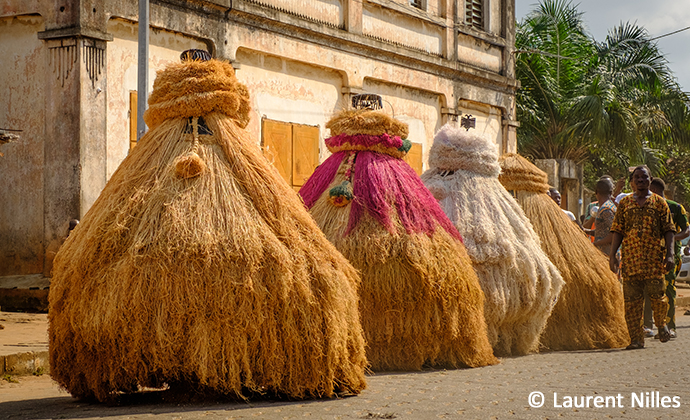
{"points": [[642, 220]]}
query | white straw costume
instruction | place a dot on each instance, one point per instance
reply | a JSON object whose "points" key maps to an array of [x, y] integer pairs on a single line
{"points": [[519, 281]]}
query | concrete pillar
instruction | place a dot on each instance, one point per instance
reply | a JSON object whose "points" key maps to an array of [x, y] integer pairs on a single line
{"points": [[550, 166], [450, 37], [509, 135], [508, 33], [353, 16], [449, 115], [75, 126]]}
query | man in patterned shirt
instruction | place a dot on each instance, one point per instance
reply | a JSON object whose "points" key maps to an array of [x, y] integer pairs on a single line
{"points": [[642, 223]]}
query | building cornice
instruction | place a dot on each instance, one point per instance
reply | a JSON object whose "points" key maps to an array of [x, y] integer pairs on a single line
{"points": [[75, 32], [250, 13]]}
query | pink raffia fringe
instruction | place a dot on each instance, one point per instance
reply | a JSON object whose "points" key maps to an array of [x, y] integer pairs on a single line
{"points": [[321, 179], [380, 182]]}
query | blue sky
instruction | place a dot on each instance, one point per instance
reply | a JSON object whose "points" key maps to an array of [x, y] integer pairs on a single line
{"points": [[658, 17]]}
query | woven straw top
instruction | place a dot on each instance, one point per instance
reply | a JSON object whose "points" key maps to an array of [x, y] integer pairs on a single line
{"points": [[359, 130], [197, 88], [458, 149], [519, 174], [366, 121]]}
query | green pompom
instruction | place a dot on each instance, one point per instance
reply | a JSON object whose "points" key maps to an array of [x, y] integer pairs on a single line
{"points": [[406, 146], [341, 195]]}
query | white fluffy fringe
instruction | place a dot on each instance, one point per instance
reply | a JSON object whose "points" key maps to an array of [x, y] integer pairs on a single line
{"points": [[519, 281]]}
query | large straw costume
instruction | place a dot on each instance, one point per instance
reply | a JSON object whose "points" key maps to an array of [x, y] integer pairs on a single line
{"points": [[589, 313], [420, 300], [520, 283], [199, 267]]}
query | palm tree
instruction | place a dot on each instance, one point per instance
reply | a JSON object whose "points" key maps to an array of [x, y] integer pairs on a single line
{"points": [[554, 51], [581, 99], [621, 104]]}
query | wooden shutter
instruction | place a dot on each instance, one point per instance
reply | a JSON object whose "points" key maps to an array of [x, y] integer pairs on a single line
{"points": [[132, 119], [414, 158], [305, 153], [474, 14], [277, 146]]}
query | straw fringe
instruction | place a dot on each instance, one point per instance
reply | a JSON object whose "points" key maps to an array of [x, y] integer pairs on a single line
{"points": [[589, 313], [220, 282], [420, 300], [519, 174], [521, 285], [358, 121]]}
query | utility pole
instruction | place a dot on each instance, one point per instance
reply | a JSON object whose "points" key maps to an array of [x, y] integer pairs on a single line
{"points": [[143, 67]]}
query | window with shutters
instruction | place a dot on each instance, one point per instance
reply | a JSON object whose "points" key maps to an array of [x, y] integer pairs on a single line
{"points": [[474, 13], [414, 158], [292, 148]]}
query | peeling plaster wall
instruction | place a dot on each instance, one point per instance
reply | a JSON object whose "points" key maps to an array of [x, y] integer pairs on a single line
{"points": [[301, 61], [479, 53], [289, 91], [392, 26], [421, 110], [22, 104], [495, 21], [326, 11], [165, 48]]}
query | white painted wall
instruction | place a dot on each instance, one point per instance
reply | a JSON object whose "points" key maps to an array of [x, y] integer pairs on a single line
{"points": [[289, 91], [165, 48]]}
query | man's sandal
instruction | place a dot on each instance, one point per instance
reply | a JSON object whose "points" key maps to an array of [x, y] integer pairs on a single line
{"points": [[664, 334]]}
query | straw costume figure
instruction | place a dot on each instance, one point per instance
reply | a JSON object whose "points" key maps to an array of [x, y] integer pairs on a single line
{"points": [[199, 267], [520, 283], [420, 300], [589, 313]]}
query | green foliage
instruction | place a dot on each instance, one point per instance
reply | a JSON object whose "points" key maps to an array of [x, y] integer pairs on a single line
{"points": [[9, 378], [678, 174], [608, 105]]}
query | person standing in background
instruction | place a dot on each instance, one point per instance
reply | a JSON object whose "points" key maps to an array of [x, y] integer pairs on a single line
{"points": [[588, 223], [680, 220], [604, 218], [556, 196]]}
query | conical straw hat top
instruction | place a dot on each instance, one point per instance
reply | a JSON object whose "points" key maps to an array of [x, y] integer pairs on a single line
{"points": [[458, 149], [519, 174], [197, 88]]}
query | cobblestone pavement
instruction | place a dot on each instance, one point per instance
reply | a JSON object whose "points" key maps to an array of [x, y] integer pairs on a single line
{"points": [[495, 392]]}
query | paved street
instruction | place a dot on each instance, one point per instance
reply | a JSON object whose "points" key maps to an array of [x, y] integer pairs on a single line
{"points": [[496, 392]]}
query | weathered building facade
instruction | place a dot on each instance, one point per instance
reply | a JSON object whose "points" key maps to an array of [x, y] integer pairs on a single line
{"points": [[69, 80]]}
